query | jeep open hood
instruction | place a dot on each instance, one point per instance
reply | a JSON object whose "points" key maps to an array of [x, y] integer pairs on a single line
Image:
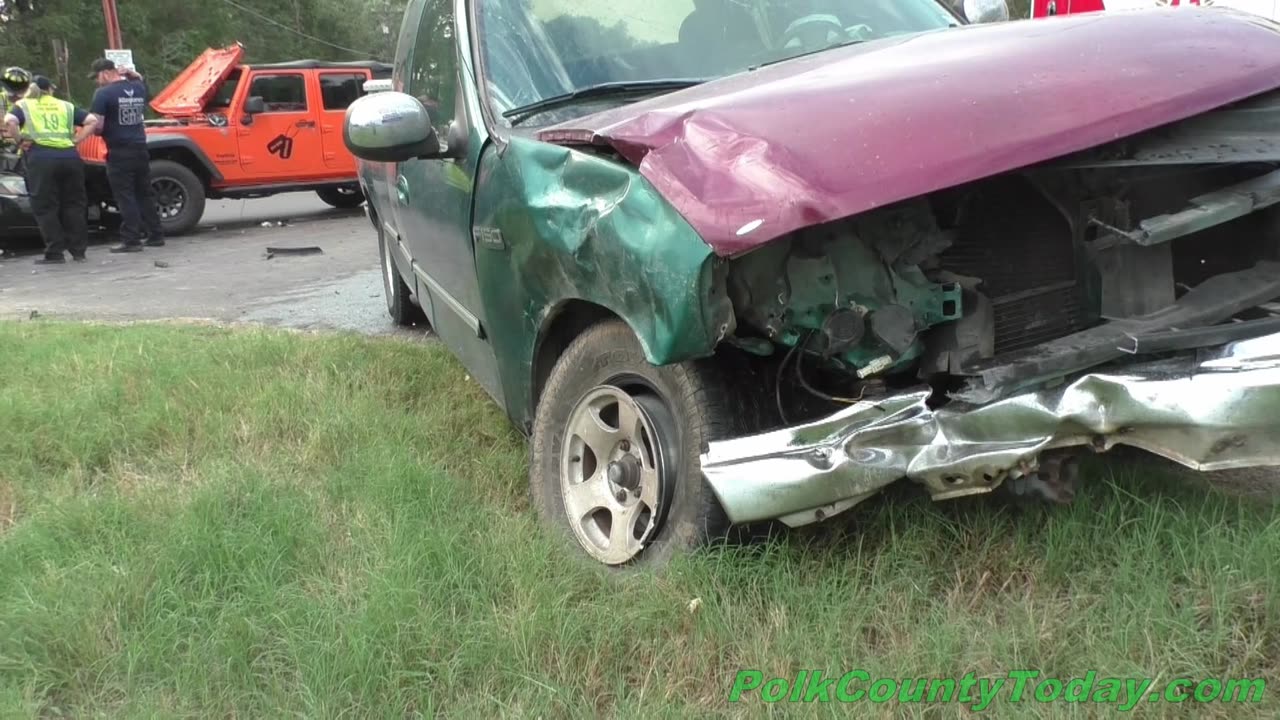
{"points": [[754, 156], [193, 87]]}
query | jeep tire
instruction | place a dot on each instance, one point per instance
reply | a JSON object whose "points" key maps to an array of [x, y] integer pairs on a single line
{"points": [[179, 195], [341, 197]]}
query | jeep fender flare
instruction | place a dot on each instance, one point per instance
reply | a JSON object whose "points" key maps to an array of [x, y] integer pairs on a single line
{"points": [[167, 142]]}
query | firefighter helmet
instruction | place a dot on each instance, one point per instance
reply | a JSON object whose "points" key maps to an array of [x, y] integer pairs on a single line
{"points": [[15, 79]]}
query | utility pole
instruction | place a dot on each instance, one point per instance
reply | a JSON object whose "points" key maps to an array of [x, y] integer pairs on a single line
{"points": [[61, 59], [114, 41]]}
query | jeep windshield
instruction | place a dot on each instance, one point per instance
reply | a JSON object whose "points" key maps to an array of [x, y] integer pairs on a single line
{"points": [[540, 55]]}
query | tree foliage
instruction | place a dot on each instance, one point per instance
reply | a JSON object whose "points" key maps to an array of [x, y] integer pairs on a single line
{"points": [[166, 35]]}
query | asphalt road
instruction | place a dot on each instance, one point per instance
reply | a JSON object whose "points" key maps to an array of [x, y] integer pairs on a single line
{"points": [[219, 273]]}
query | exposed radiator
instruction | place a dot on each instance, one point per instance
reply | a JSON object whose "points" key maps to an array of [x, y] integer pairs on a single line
{"points": [[1021, 248]]}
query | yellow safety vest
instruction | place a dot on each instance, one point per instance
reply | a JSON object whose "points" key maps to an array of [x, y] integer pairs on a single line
{"points": [[50, 122]]}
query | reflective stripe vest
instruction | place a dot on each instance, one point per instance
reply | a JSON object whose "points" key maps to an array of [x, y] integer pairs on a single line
{"points": [[50, 122]]}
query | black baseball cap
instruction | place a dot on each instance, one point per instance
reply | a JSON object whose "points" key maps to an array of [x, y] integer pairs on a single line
{"points": [[101, 65], [43, 83]]}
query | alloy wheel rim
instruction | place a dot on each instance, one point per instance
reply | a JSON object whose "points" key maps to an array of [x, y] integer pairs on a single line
{"points": [[613, 477]]}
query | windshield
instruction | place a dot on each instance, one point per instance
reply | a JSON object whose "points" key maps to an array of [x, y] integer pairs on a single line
{"points": [[539, 49]]}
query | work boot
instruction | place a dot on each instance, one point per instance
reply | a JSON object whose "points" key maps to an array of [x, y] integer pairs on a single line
{"points": [[127, 248], [158, 242], [52, 260], [78, 257]]}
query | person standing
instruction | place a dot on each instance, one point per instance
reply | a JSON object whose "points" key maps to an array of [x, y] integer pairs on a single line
{"points": [[55, 172], [119, 108]]}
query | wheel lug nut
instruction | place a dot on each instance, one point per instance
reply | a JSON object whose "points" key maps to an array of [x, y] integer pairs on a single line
{"points": [[621, 496], [625, 446]]}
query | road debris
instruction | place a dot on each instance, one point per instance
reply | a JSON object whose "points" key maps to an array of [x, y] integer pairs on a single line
{"points": [[161, 264], [308, 250]]}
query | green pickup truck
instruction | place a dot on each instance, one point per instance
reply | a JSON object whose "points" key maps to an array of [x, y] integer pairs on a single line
{"points": [[730, 262]]}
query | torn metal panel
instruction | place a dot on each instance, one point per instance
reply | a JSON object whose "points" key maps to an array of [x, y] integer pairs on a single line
{"points": [[1203, 212], [1208, 415], [1212, 301], [1158, 342]]}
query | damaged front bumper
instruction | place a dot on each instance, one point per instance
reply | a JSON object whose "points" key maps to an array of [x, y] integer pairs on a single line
{"points": [[1213, 410]]}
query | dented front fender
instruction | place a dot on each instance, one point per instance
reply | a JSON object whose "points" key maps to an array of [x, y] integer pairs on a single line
{"points": [[556, 225]]}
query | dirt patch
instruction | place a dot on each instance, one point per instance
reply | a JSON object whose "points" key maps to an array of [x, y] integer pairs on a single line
{"points": [[8, 506], [1257, 483], [1254, 483]]}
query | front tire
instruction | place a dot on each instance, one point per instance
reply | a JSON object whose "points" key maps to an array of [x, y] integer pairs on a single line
{"points": [[179, 195], [341, 197], [616, 444], [400, 305]]}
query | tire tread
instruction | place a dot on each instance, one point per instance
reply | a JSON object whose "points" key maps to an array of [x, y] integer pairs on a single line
{"points": [[712, 410]]}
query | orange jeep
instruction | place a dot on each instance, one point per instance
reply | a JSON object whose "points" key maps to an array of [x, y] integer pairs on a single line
{"points": [[237, 131]]}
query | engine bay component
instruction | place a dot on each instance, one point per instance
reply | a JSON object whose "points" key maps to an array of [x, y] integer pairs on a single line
{"points": [[860, 284], [843, 329]]}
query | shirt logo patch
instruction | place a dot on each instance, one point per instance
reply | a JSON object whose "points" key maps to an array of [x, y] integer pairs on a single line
{"points": [[131, 111]]}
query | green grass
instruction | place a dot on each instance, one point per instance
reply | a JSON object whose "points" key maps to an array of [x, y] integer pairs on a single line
{"points": [[200, 522]]}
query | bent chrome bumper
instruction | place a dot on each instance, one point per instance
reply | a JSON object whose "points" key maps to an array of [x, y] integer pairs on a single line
{"points": [[1214, 411]]}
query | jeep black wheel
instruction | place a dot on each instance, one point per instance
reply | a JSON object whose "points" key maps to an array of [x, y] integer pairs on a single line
{"points": [[179, 196], [616, 445], [341, 197], [400, 304]]}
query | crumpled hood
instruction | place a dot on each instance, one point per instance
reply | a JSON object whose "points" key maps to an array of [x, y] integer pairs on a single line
{"points": [[754, 156]]}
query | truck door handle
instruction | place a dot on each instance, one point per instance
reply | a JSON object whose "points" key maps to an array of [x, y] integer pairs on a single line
{"points": [[402, 190], [306, 123]]}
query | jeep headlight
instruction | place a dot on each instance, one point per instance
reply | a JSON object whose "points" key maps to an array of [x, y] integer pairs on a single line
{"points": [[13, 185]]}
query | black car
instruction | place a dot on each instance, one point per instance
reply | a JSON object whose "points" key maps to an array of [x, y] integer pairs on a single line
{"points": [[18, 221], [16, 217]]}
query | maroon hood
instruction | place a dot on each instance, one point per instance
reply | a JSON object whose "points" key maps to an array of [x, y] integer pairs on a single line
{"points": [[757, 155]]}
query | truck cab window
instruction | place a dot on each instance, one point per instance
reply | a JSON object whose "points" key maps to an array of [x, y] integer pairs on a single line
{"points": [[433, 73]]}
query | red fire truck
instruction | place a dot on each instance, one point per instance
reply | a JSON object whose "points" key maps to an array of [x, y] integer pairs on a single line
{"points": [[1046, 8]]}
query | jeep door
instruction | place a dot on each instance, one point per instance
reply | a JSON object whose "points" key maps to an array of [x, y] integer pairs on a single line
{"points": [[282, 143], [433, 197]]}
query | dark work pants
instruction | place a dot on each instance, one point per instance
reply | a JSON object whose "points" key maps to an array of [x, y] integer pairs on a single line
{"points": [[59, 202], [129, 173], [12, 162]]}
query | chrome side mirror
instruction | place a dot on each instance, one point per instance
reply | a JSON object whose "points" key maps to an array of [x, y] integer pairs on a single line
{"points": [[390, 127], [986, 11]]}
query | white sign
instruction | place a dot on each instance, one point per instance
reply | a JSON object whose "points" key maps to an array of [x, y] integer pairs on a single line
{"points": [[122, 58]]}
